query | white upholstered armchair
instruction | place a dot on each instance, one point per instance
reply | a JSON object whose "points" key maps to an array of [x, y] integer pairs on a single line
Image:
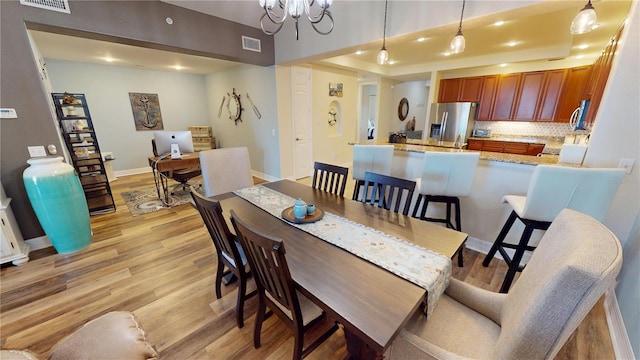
{"points": [[576, 261]]}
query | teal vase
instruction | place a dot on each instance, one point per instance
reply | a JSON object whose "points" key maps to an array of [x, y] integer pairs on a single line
{"points": [[58, 200]]}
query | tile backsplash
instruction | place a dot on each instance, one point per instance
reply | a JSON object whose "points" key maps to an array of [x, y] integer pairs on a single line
{"points": [[521, 128]]}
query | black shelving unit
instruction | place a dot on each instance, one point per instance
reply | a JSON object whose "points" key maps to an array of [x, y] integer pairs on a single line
{"points": [[80, 137]]}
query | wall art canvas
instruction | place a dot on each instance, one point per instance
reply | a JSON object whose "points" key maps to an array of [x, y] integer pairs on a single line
{"points": [[146, 111], [335, 89]]}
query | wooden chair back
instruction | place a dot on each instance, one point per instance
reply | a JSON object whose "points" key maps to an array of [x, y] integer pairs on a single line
{"points": [[266, 256], [330, 178], [389, 192], [223, 240]]}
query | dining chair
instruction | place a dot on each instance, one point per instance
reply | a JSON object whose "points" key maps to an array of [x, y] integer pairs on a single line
{"points": [[577, 260], [276, 290], [372, 158], [230, 253], [388, 192], [181, 176], [551, 189], [330, 178], [446, 176], [225, 170]]}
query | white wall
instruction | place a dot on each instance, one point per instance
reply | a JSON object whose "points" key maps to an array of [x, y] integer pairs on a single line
{"points": [[616, 135], [330, 142], [260, 136], [182, 97], [416, 94]]}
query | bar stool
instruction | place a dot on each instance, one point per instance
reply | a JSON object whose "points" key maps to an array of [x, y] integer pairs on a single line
{"points": [[446, 176], [551, 189], [372, 158]]}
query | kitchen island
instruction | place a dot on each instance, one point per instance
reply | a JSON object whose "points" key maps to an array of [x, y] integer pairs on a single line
{"points": [[497, 175]]}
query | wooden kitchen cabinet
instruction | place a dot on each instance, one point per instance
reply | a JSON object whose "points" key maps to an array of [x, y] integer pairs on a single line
{"points": [[599, 77], [449, 90], [487, 95], [470, 89], [573, 92], [508, 147], [528, 95], [505, 97], [550, 97], [460, 89]]}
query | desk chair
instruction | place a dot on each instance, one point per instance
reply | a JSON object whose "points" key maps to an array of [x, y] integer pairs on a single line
{"points": [[230, 253], [225, 170], [577, 260], [276, 289], [445, 177], [372, 158], [181, 176], [390, 191], [551, 189], [329, 178]]}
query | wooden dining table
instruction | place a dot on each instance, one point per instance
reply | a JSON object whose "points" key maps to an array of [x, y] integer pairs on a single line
{"points": [[371, 303]]}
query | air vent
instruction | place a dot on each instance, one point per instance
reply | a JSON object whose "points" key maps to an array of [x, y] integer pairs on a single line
{"points": [[54, 5], [251, 44]]}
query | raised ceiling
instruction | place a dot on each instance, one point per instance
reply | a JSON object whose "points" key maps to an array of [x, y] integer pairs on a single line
{"points": [[540, 36]]}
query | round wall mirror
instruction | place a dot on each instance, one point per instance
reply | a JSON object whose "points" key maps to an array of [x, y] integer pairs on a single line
{"points": [[403, 109]]}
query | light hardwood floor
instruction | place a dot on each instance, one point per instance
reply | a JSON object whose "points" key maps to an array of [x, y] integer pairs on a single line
{"points": [[161, 266]]}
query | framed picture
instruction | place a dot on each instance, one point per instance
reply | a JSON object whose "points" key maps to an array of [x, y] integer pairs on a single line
{"points": [[146, 111], [335, 89]]}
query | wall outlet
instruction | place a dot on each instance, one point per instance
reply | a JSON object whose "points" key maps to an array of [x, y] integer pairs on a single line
{"points": [[626, 164], [36, 151]]}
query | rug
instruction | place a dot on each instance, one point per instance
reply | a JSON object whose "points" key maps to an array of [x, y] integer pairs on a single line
{"points": [[146, 201]]}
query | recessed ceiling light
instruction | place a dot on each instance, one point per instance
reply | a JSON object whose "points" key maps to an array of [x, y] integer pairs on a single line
{"points": [[421, 39], [359, 52], [498, 23], [503, 65], [108, 59], [580, 57], [595, 26], [178, 67], [583, 46], [391, 62], [512, 43], [169, 21], [446, 54]]}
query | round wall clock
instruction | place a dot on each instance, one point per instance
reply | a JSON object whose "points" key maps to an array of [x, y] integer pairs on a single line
{"points": [[403, 109], [234, 107]]}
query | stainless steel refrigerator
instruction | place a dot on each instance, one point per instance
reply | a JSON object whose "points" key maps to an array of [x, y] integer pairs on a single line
{"points": [[448, 120]]}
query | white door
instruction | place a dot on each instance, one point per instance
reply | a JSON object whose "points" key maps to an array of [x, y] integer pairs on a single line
{"points": [[301, 114]]}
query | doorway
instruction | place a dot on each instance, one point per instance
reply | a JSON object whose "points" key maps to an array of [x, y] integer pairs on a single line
{"points": [[301, 121], [368, 120]]}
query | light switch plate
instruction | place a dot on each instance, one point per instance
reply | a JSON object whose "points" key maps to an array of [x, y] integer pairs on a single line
{"points": [[37, 151]]}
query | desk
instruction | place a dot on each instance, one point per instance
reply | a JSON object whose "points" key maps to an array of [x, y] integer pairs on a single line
{"points": [[161, 166], [371, 303]]}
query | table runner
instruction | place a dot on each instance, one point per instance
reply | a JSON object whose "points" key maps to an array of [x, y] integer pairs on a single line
{"points": [[411, 262]]}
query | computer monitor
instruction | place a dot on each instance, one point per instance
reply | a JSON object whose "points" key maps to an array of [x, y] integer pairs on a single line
{"points": [[164, 139]]}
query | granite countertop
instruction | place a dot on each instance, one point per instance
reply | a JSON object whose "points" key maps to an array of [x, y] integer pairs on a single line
{"points": [[545, 158], [487, 155]]}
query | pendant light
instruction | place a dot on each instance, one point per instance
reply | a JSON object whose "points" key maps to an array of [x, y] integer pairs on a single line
{"points": [[383, 55], [458, 42], [584, 20]]}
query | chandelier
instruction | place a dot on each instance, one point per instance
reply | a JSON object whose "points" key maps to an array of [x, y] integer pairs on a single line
{"points": [[295, 9]]}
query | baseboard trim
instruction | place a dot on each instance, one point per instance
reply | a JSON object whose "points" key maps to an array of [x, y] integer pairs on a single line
{"points": [[619, 338], [38, 243], [132, 171]]}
